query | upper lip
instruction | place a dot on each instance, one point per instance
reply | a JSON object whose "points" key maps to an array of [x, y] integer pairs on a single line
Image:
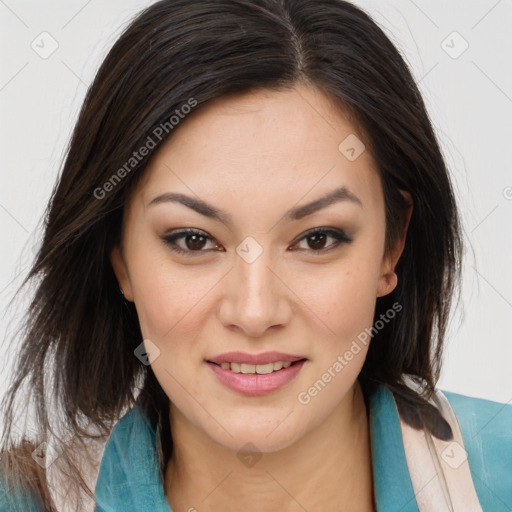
{"points": [[263, 358]]}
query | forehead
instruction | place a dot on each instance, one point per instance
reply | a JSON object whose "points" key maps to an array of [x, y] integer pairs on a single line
{"points": [[262, 143]]}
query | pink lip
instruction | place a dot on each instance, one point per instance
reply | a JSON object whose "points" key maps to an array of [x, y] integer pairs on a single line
{"points": [[253, 384], [264, 358]]}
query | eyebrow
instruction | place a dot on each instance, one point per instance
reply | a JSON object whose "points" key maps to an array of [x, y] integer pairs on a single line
{"points": [[296, 213]]}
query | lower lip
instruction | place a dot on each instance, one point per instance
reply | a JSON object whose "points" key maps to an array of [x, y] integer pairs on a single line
{"points": [[254, 384]]}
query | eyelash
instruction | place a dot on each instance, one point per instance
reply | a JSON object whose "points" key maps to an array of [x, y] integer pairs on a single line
{"points": [[337, 234]]}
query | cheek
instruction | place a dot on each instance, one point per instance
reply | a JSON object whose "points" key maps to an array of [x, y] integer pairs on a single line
{"points": [[167, 298], [170, 307], [342, 297]]}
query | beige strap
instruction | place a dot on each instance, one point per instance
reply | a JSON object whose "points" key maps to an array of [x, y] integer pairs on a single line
{"points": [[439, 470]]}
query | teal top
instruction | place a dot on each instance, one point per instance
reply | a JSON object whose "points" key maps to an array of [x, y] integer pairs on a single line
{"points": [[129, 477]]}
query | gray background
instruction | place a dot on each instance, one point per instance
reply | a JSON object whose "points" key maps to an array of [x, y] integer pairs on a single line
{"points": [[468, 94]]}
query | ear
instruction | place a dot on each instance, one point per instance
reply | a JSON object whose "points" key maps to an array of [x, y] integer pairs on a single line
{"points": [[388, 278], [121, 272]]}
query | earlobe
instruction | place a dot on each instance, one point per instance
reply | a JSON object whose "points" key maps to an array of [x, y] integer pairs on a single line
{"points": [[387, 283], [121, 272]]}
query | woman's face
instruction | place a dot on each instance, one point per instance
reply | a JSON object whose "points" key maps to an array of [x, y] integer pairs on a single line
{"points": [[253, 280]]}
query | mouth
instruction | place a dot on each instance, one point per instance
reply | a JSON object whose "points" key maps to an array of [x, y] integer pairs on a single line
{"points": [[260, 369], [253, 379]]}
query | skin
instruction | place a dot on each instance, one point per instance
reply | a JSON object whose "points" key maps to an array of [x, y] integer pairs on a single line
{"points": [[256, 155]]}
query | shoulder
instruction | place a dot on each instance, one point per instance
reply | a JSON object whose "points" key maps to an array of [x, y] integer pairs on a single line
{"points": [[486, 428], [479, 410], [475, 464], [484, 423]]}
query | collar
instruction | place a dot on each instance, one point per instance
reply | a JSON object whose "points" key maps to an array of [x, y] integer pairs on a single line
{"points": [[392, 483], [129, 476]]}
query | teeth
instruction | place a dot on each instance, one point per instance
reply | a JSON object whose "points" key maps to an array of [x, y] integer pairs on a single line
{"points": [[261, 369], [247, 368]]}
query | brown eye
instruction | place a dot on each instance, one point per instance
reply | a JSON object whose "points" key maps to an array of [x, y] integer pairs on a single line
{"points": [[317, 238], [192, 241], [317, 241]]}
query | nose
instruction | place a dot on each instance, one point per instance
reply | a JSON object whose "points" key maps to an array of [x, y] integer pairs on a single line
{"points": [[255, 297]]}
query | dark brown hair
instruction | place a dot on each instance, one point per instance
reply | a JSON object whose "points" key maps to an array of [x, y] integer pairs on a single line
{"points": [[77, 352]]}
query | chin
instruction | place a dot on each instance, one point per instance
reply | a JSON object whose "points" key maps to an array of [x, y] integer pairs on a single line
{"points": [[265, 438]]}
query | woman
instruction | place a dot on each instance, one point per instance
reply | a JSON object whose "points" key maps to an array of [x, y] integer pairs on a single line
{"points": [[249, 261]]}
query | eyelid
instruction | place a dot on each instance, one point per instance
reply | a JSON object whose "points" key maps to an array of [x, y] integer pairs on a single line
{"points": [[337, 233], [182, 233]]}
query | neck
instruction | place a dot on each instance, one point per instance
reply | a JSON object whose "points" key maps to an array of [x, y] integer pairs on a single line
{"points": [[328, 469]]}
